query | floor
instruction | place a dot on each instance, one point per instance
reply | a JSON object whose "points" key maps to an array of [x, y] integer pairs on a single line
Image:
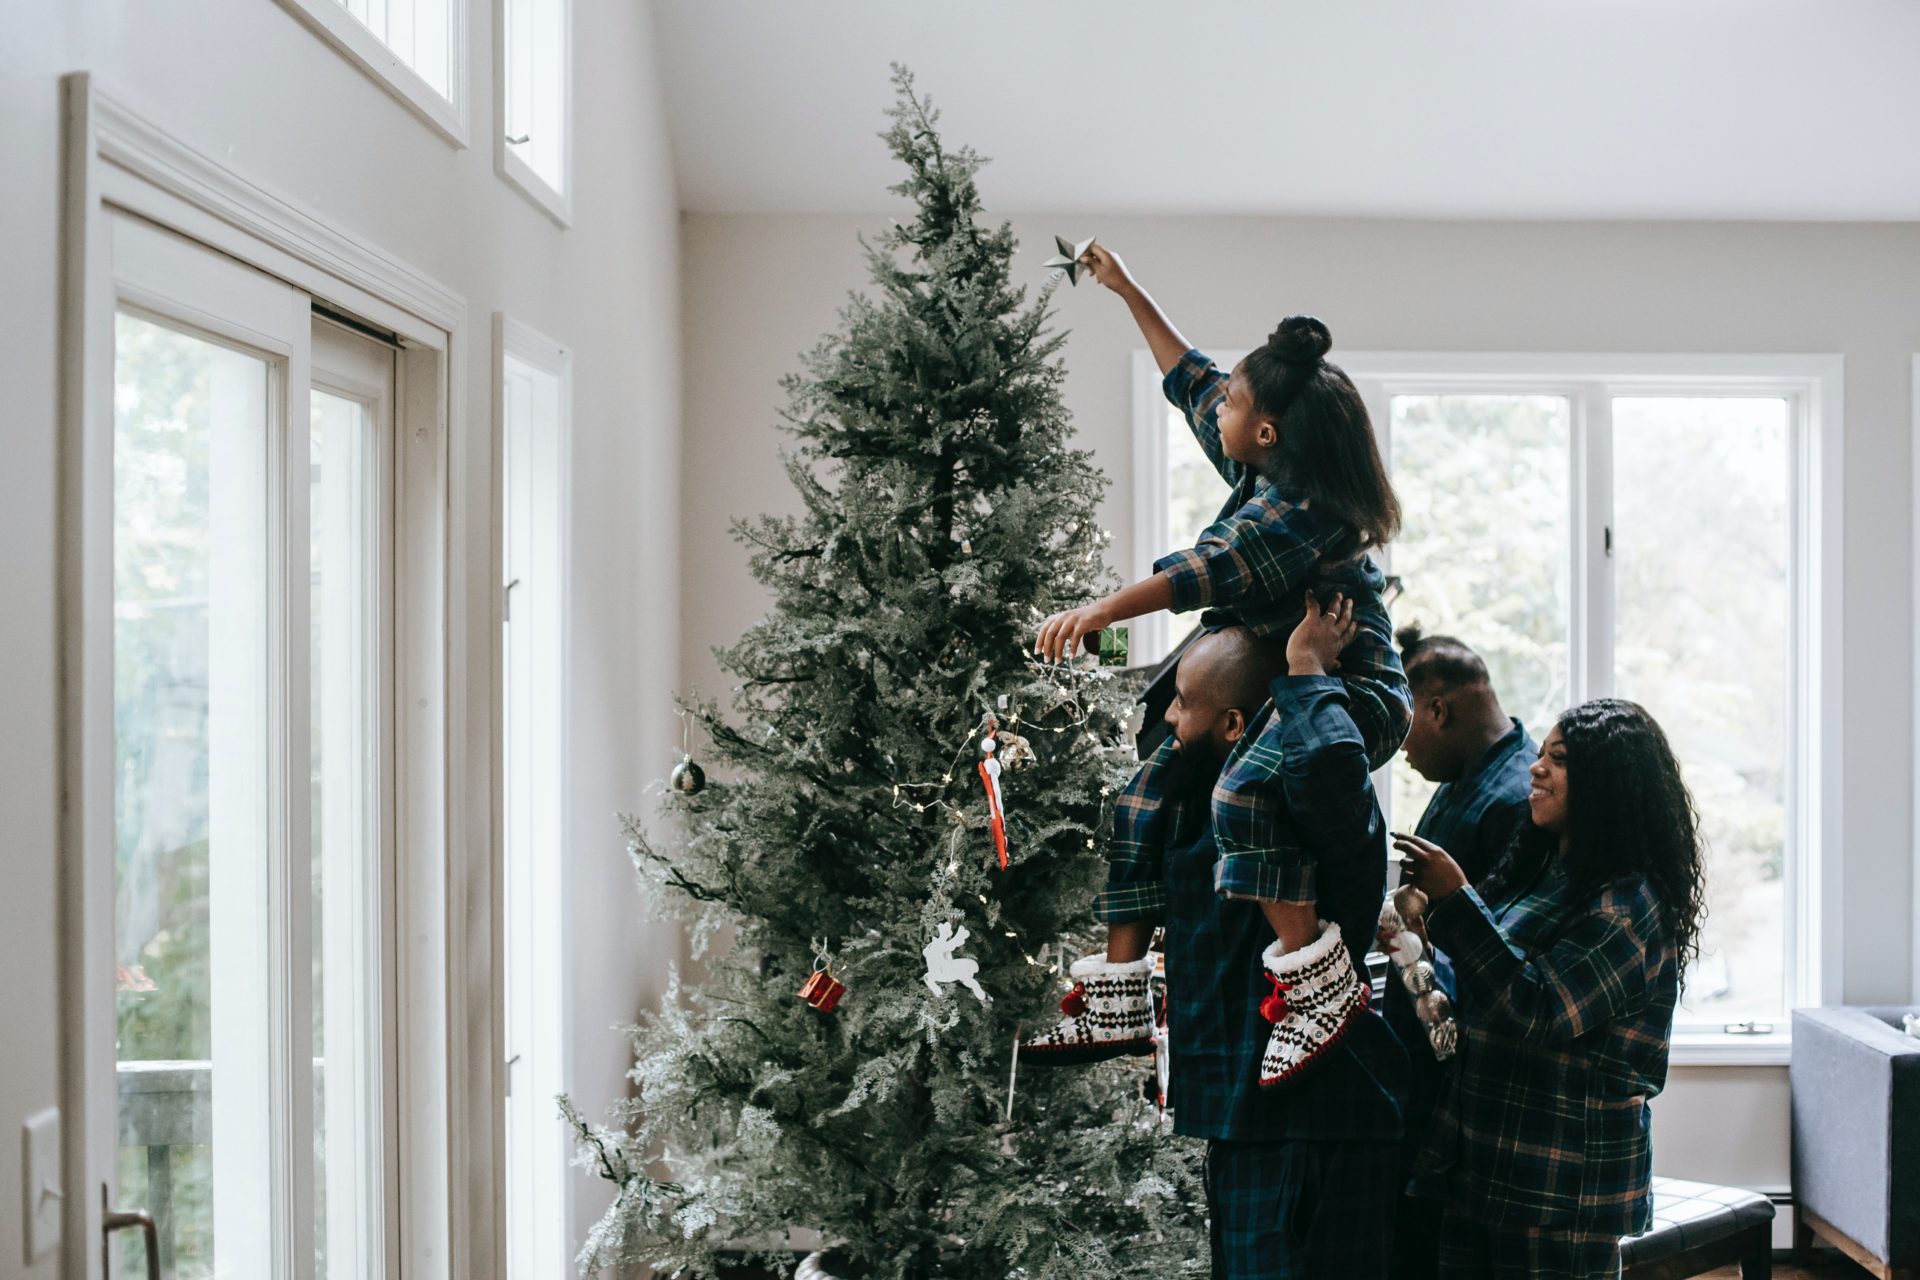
{"points": [[1823, 1266]]}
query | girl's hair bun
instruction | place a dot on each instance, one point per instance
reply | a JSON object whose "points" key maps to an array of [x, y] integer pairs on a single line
{"points": [[1301, 340]]}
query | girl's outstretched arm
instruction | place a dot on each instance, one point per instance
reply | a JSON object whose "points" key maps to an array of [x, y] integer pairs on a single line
{"points": [[1061, 634], [1166, 342]]}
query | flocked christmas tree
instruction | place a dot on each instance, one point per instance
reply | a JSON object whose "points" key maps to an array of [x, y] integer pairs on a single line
{"points": [[849, 824]]}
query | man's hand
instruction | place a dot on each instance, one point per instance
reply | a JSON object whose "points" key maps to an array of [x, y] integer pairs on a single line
{"points": [[1060, 635], [1105, 267], [1314, 647], [1429, 868]]}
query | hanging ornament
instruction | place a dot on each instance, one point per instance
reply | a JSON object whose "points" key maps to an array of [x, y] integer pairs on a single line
{"points": [[1162, 1044], [990, 779], [687, 778], [1112, 646], [821, 989], [1015, 750], [944, 966], [1403, 909]]}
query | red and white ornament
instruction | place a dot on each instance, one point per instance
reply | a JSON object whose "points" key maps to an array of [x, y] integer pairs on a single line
{"points": [[989, 768]]}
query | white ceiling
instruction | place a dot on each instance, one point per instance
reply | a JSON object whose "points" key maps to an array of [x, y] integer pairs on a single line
{"points": [[1437, 108]]}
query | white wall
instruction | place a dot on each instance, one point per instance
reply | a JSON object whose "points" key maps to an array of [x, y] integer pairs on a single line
{"points": [[759, 288], [244, 81]]}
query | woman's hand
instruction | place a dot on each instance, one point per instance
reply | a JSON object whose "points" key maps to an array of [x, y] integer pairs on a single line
{"points": [[1061, 634], [1314, 647], [1105, 267], [1429, 868]]}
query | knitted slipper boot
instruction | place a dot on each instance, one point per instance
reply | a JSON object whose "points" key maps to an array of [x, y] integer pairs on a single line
{"points": [[1316, 997], [1108, 1015]]}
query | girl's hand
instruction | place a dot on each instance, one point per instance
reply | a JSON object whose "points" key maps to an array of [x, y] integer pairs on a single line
{"points": [[1429, 868], [1105, 266], [1062, 633], [1314, 647]]}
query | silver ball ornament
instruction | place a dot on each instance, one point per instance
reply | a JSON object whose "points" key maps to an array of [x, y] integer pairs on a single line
{"points": [[1434, 1008], [687, 778], [1419, 978]]}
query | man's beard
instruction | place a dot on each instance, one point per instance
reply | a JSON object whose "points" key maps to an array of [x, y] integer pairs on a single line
{"points": [[1195, 770]]}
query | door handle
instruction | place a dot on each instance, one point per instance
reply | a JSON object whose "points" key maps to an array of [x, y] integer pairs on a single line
{"points": [[112, 1220]]}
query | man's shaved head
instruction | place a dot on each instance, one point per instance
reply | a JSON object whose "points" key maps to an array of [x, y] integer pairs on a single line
{"points": [[1234, 665]]}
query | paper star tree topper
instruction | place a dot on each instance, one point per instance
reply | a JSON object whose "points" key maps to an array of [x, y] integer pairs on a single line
{"points": [[1068, 259]]}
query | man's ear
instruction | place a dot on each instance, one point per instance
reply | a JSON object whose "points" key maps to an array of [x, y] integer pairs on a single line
{"points": [[1442, 711], [1234, 723]]}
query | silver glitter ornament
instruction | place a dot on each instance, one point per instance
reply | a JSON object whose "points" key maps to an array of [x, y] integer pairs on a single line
{"points": [[687, 778]]}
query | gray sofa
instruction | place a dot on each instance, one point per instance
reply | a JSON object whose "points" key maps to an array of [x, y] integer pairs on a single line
{"points": [[1856, 1136]]}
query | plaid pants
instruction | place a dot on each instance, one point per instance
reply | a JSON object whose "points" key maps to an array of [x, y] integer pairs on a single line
{"points": [[1470, 1250], [1301, 1210]]}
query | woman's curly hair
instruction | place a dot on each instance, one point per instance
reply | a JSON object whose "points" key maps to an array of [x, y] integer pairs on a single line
{"points": [[1628, 813]]}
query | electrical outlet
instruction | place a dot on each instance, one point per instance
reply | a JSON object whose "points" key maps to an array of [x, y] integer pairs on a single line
{"points": [[40, 1156]]}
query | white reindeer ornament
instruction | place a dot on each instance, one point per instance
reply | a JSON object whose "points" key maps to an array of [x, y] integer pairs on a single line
{"points": [[944, 966]]}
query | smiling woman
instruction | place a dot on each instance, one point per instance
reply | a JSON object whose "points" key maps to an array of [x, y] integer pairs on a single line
{"points": [[1569, 964]]}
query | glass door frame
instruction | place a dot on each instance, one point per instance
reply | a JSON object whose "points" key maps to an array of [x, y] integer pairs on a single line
{"points": [[445, 559]]}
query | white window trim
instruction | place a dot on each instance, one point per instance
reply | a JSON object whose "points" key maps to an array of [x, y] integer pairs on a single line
{"points": [[446, 114], [1814, 386], [517, 173], [443, 673], [551, 1073], [1914, 860]]}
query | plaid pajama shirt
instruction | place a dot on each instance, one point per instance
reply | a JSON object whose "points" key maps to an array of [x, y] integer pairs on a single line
{"points": [[1566, 1012], [1249, 569]]}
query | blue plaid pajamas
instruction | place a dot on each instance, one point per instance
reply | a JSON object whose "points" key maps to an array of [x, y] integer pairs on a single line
{"points": [[1473, 819], [1301, 1210], [1250, 569], [1566, 1014], [1471, 1251]]}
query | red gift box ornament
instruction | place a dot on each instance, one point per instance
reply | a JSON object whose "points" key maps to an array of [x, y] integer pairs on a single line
{"points": [[821, 989]]}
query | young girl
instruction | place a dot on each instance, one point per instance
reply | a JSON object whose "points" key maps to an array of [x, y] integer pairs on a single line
{"points": [[1310, 497], [1569, 968]]}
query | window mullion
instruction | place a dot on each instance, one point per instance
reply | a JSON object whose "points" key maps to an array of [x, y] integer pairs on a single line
{"points": [[1592, 604], [290, 857]]}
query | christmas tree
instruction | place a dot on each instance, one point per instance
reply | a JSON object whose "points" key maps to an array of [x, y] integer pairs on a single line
{"points": [[850, 827]]}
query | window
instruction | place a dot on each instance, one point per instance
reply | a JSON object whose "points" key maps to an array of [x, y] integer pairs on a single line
{"points": [[253, 858], [533, 411], [534, 93], [1645, 527], [416, 49], [276, 1024]]}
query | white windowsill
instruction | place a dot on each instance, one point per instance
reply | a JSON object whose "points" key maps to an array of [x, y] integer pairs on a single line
{"points": [[520, 175], [1718, 1049], [367, 51]]}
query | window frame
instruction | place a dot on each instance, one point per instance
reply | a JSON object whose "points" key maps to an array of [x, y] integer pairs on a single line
{"points": [[556, 203], [549, 916], [118, 162], [446, 114], [1813, 386]]}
